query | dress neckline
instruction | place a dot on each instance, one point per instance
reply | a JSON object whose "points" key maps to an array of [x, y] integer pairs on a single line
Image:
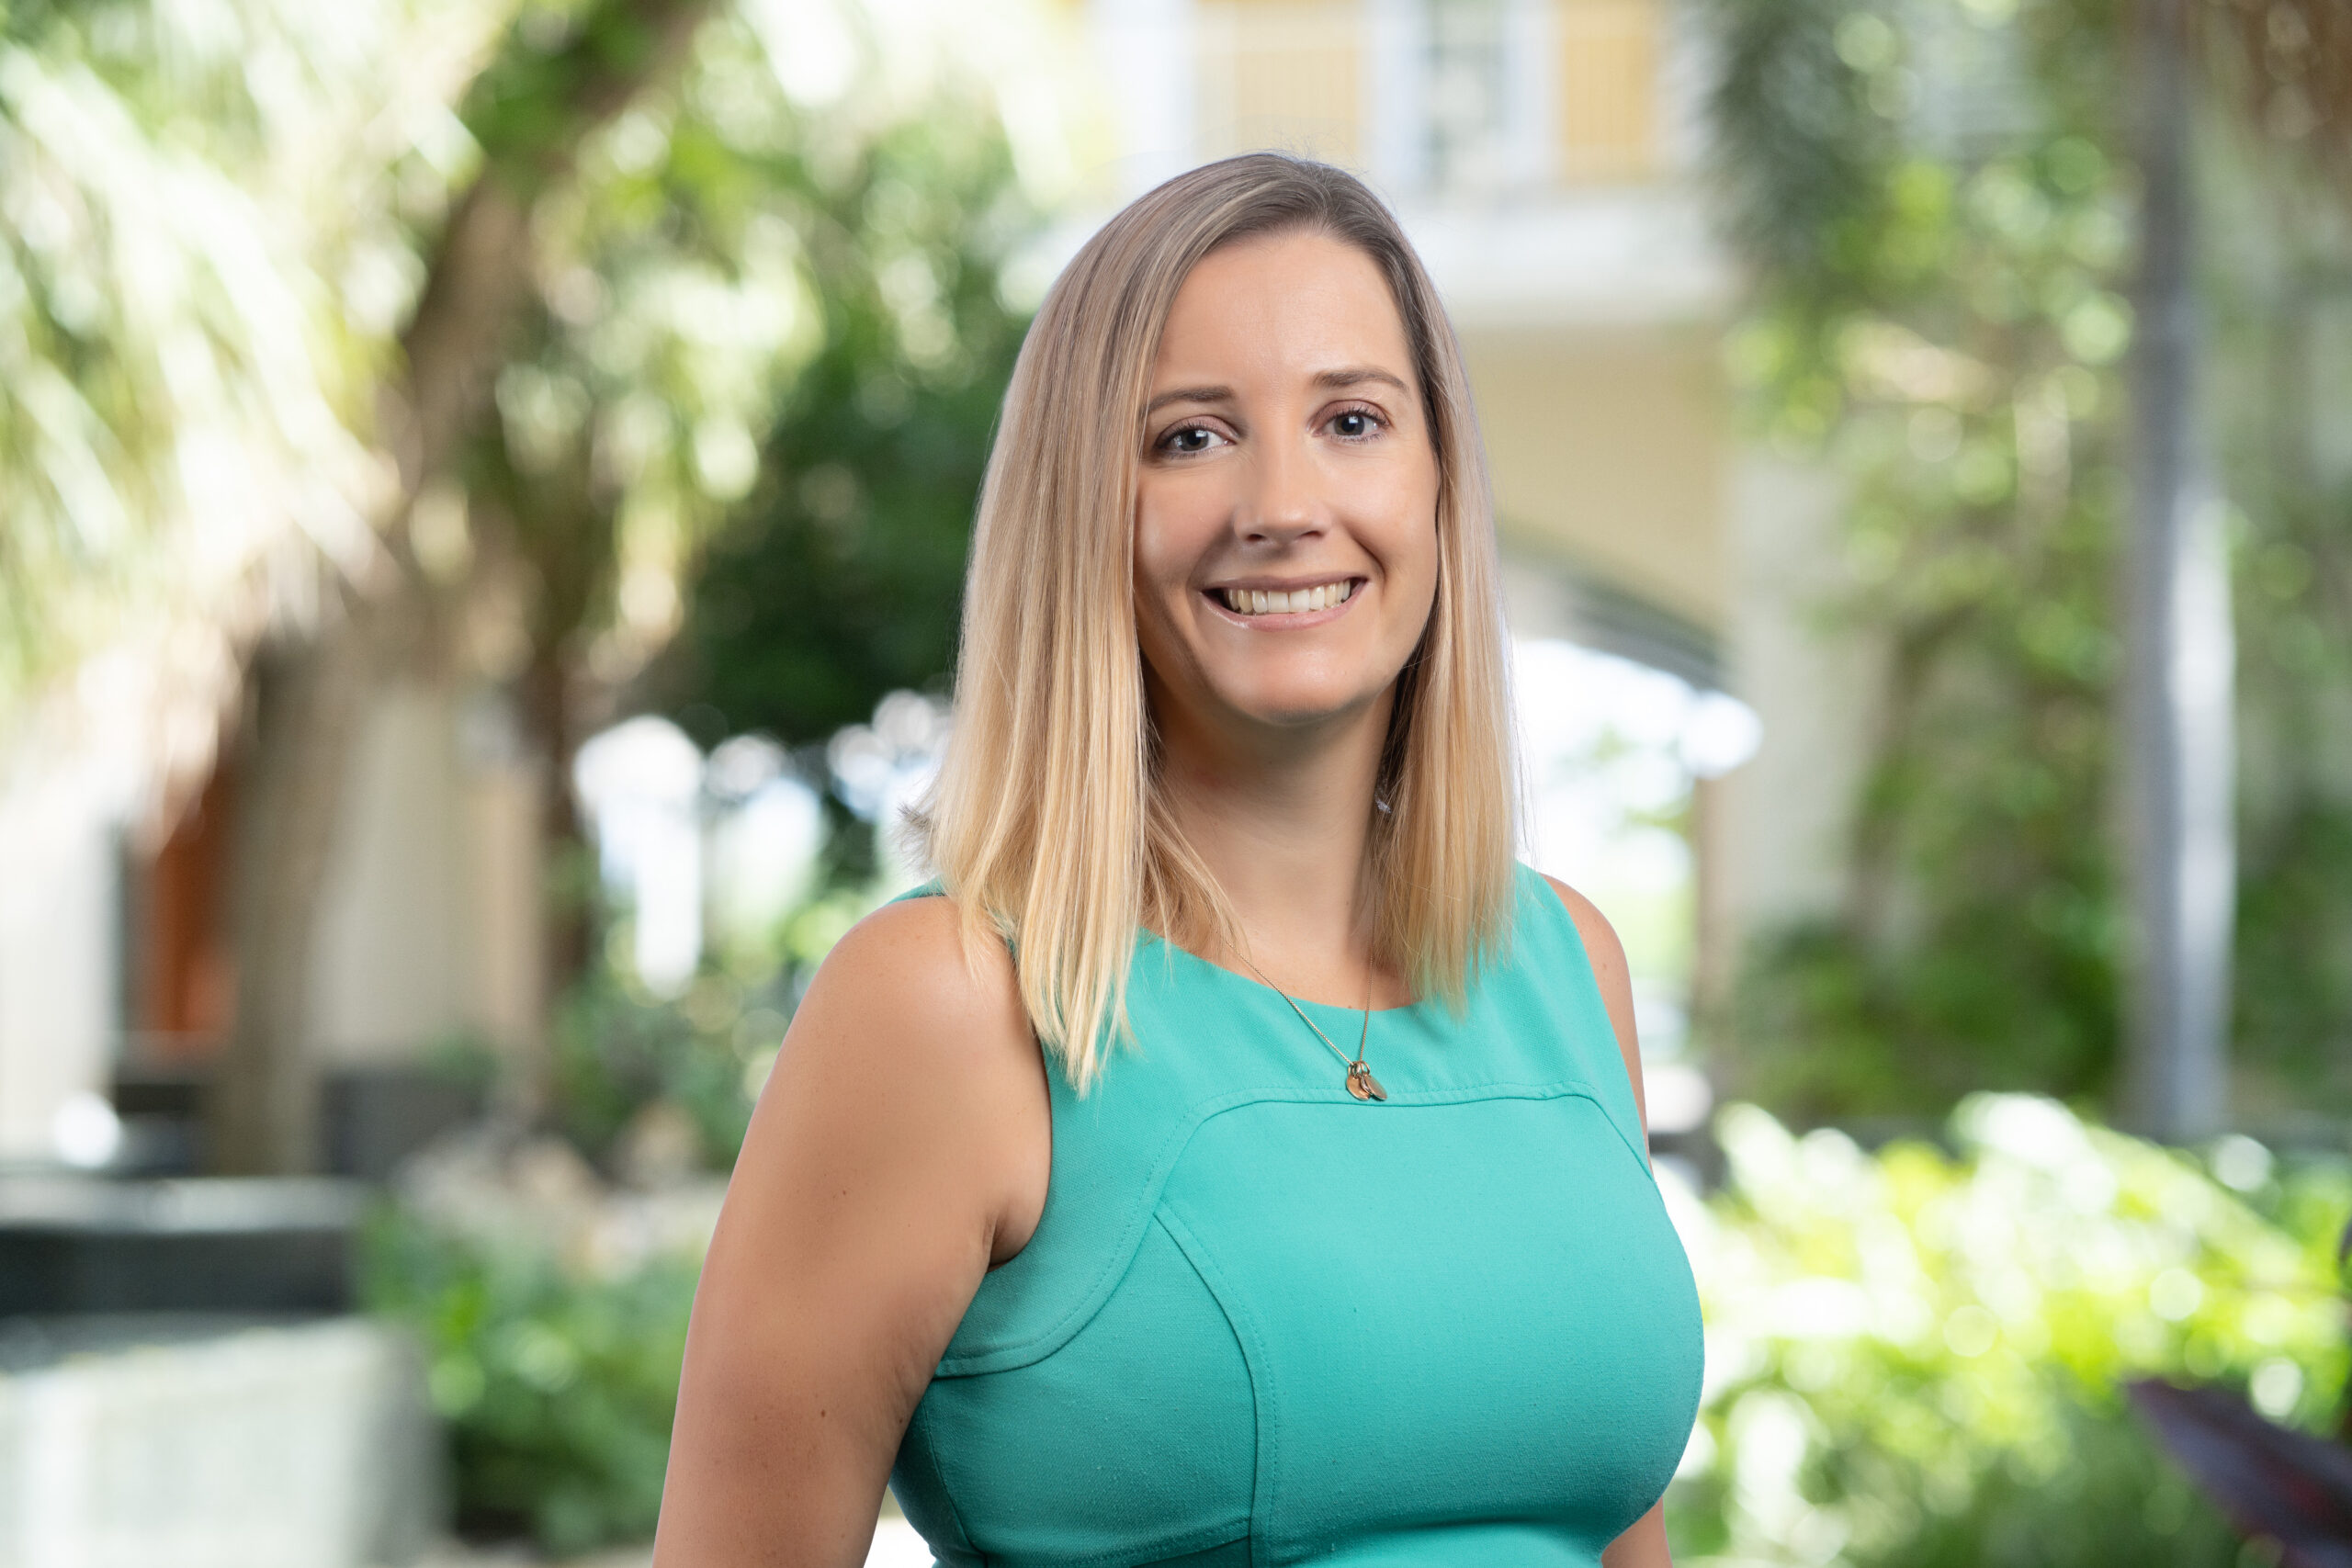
{"points": [[1254, 984]]}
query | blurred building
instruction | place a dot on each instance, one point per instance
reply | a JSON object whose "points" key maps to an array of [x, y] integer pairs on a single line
{"points": [[117, 977]]}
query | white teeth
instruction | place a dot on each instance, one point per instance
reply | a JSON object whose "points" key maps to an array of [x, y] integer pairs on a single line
{"points": [[1276, 602]]}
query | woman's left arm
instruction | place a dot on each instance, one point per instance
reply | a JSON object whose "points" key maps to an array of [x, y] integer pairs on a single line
{"points": [[1607, 955], [1642, 1546]]}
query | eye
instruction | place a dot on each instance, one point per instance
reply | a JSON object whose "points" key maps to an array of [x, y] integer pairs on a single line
{"points": [[1355, 425], [1187, 439]]}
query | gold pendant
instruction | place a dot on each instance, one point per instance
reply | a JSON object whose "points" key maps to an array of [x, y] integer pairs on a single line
{"points": [[1362, 1084]]}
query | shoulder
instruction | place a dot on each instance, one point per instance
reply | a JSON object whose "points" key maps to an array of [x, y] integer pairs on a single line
{"points": [[922, 1041], [903, 1002], [1612, 974], [908, 964], [1601, 946]]}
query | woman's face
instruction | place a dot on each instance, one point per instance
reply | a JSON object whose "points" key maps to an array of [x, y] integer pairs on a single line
{"points": [[1286, 502]]}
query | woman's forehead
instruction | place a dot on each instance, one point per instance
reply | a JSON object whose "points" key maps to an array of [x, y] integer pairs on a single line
{"points": [[1297, 305]]}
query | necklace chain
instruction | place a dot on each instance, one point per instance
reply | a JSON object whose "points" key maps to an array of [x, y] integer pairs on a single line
{"points": [[1361, 1083]]}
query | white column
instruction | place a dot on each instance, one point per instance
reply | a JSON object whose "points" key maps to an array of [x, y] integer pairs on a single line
{"points": [[60, 961], [2179, 710], [1395, 116], [1531, 94], [1148, 51]]}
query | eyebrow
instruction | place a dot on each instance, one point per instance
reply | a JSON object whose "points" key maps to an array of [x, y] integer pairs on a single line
{"points": [[1356, 376], [1332, 381], [1188, 395]]}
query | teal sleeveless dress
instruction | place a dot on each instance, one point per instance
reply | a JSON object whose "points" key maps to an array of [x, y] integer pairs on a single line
{"points": [[1262, 1321]]}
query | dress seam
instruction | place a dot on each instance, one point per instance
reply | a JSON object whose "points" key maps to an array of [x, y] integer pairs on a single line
{"points": [[1043, 1343], [963, 1543], [1251, 1345], [1180, 1546]]}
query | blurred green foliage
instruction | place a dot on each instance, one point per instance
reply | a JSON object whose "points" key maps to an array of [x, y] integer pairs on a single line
{"points": [[1914, 1358], [740, 434], [1940, 320], [210, 232], [530, 105], [838, 579], [557, 1383], [2280, 321], [752, 403], [757, 318], [619, 1052], [1940, 214]]}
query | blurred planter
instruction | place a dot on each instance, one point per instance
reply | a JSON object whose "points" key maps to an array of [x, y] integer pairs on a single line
{"points": [[71, 1245], [188, 1442]]}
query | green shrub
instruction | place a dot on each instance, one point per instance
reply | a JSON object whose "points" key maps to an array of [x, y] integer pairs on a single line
{"points": [[557, 1383], [1913, 1359], [617, 1051]]}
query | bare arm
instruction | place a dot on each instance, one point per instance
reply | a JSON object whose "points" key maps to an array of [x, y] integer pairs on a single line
{"points": [[1642, 1545], [1608, 957], [900, 1149]]}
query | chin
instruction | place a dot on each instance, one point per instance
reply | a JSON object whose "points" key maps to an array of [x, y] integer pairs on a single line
{"points": [[1294, 704]]}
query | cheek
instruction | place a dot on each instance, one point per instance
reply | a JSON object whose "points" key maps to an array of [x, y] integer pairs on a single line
{"points": [[1161, 581], [1413, 560], [1413, 572], [1165, 546], [1423, 602], [1153, 591], [1398, 501]]}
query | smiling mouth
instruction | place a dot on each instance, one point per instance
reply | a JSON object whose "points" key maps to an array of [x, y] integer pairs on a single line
{"points": [[1295, 602]]}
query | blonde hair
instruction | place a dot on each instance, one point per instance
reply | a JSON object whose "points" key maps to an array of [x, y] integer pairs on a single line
{"points": [[1049, 824]]}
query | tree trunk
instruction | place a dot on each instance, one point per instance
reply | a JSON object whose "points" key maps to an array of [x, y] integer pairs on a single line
{"points": [[2179, 699], [568, 909], [310, 696], [305, 705]]}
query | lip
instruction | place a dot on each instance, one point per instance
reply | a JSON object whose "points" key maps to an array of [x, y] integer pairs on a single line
{"points": [[1289, 621], [1283, 584]]}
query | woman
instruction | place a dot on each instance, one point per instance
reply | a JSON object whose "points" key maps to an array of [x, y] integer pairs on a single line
{"points": [[1321, 1225]]}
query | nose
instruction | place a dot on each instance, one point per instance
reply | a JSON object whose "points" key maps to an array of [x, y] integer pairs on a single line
{"points": [[1282, 503]]}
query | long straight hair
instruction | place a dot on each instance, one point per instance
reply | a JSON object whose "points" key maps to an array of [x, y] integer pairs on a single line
{"points": [[1049, 824]]}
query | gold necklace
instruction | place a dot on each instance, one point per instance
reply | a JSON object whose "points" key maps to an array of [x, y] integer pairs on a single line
{"points": [[1361, 1083]]}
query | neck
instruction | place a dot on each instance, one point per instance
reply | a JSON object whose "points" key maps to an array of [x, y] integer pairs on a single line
{"points": [[1281, 819]]}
